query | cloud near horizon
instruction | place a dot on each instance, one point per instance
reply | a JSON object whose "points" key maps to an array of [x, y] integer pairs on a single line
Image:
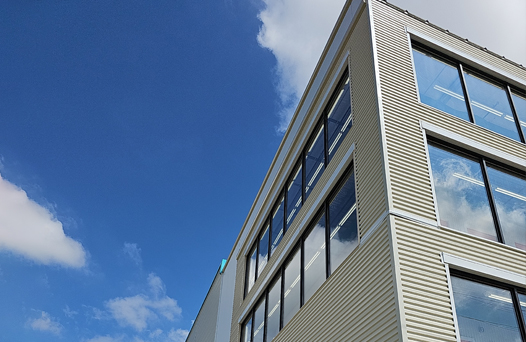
{"points": [[30, 230], [296, 32]]}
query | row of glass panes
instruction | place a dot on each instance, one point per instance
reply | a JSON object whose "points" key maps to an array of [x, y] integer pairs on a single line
{"points": [[323, 143], [468, 95], [479, 197], [487, 311], [308, 265]]}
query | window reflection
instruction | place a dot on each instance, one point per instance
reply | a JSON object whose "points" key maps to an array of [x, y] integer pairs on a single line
{"points": [[485, 313], [339, 119], [520, 109], [277, 226], [314, 162], [314, 259], [509, 193], [343, 223], [294, 196], [252, 269], [522, 304], [259, 322], [291, 296], [247, 331], [439, 85], [274, 303], [491, 107], [263, 251], [461, 194]]}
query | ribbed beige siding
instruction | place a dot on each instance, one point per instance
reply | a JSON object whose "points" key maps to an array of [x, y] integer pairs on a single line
{"points": [[204, 327]]}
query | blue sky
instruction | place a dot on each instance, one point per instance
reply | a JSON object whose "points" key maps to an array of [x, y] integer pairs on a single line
{"points": [[134, 136]]}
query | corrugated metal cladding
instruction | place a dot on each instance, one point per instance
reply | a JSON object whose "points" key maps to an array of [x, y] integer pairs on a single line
{"points": [[341, 310], [204, 327], [425, 296]]}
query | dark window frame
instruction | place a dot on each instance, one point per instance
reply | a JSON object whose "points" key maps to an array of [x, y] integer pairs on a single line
{"points": [[461, 68]]}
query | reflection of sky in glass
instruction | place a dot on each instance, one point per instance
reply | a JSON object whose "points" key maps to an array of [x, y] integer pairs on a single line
{"points": [[510, 196], [274, 303], [485, 313], [263, 251], [343, 223], [277, 226], [439, 85], [259, 322], [314, 162], [491, 107], [294, 197], [252, 269], [461, 195], [247, 331], [314, 259], [339, 119], [291, 296], [520, 108], [522, 301]]}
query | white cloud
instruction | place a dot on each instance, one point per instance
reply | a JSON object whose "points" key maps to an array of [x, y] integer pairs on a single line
{"points": [[296, 32], [106, 338], [178, 335], [132, 251], [45, 323], [69, 313], [137, 311], [30, 230], [156, 333]]}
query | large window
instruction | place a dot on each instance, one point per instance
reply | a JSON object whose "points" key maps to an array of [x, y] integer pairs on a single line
{"points": [[309, 263], [479, 197], [456, 89], [487, 311]]}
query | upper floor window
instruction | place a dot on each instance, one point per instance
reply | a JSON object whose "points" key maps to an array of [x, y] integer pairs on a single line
{"points": [[468, 94], [479, 197]]}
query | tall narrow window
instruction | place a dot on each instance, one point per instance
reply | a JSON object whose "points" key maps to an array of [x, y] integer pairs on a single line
{"points": [[294, 190], [251, 272], [259, 322], [274, 307], [343, 231], [277, 225], [439, 85], [520, 108], [314, 161], [314, 259], [247, 331], [339, 118], [490, 106], [509, 192], [484, 313], [461, 193], [263, 250], [291, 296]]}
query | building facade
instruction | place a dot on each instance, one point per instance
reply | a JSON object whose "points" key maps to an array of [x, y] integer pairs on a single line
{"points": [[395, 207]]}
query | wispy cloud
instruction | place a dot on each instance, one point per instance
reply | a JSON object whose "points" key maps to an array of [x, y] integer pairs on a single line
{"points": [[132, 251], [178, 335], [106, 338], [45, 323], [69, 313], [30, 230], [137, 311], [296, 31]]}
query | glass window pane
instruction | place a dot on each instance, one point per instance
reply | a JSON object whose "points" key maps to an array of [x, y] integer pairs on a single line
{"points": [[509, 193], [247, 331], [314, 161], [259, 322], [491, 107], [339, 119], [343, 223], [263, 251], [314, 258], [251, 269], [274, 303], [277, 226], [522, 303], [439, 85], [484, 313], [291, 296], [294, 196], [520, 108], [461, 194]]}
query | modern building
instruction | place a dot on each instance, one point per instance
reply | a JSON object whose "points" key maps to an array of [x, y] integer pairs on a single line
{"points": [[395, 207]]}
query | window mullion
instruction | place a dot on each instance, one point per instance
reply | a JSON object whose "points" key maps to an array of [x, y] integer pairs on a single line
{"points": [[327, 241], [303, 176], [466, 95], [492, 202], [265, 321], [302, 266], [515, 116], [325, 139], [281, 297], [519, 314]]}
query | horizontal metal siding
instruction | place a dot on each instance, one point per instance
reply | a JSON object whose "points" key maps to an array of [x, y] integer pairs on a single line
{"points": [[204, 327]]}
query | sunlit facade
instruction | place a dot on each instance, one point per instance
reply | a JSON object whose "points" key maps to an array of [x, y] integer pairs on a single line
{"points": [[395, 207]]}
